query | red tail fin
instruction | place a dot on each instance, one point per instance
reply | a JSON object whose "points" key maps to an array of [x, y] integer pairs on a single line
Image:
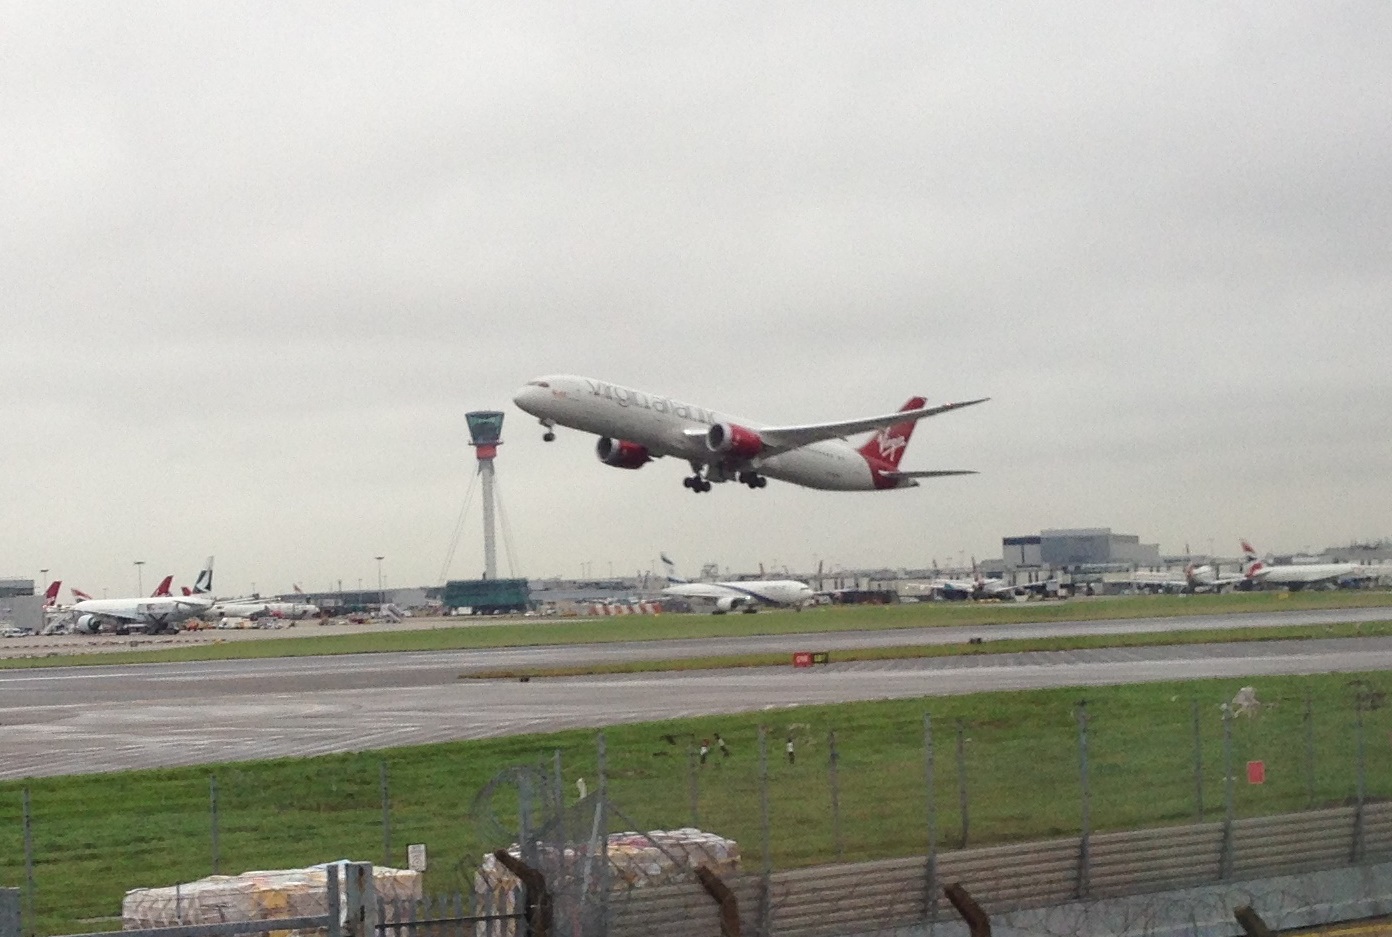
{"points": [[162, 588], [51, 595], [79, 595], [888, 445]]}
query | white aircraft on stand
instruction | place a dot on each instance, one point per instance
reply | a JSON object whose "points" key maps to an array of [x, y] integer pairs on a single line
{"points": [[1299, 575], [253, 609], [152, 615], [635, 427], [742, 596]]}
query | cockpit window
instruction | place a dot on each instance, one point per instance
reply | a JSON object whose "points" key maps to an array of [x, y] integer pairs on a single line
{"points": [[538, 384]]}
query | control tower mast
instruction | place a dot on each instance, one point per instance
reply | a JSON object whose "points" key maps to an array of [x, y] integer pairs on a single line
{"points": [[486, 432]]}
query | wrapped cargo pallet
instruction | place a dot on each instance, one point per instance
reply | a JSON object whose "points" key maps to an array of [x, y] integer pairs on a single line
{"points": [[255, 896], [636, 860]]}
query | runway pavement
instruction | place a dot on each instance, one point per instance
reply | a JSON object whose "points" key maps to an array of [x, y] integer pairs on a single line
{"points": [[92, 719]]}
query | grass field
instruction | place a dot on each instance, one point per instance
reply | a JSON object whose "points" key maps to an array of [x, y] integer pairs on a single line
{"points": [[535, 632], [96, 836]]}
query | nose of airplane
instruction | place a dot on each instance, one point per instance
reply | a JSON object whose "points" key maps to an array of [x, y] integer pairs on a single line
{"points": [[524, 397]]}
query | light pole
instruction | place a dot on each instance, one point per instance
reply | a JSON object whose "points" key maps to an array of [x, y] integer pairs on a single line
{"points": [[381, 595], [139, 578], [43, 578]]}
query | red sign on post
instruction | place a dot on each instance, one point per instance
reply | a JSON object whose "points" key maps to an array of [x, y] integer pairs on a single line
{"points": [[802, 659], [1256, 772]]}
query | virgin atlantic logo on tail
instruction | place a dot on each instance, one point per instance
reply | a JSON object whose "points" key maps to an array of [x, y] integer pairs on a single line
{"points": [[889, 444]]}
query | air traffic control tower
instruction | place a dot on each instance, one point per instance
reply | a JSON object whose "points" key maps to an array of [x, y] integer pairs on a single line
{"points": [[486, 435]]}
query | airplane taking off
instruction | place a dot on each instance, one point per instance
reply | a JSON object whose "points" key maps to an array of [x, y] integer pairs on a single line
{"points": [[636, 427], [151, 615], [744, 596]]}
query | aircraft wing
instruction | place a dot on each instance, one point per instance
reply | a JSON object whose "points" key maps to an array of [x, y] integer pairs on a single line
{"points": [[931, 473], [783, 438]]}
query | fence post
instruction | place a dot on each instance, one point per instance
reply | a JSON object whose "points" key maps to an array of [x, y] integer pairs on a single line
{"points": [[29, 912], [361, 919], [693, 782], [1085, 842], [602, 758], [1356, 853], [331, 899], [834, 782], [766, 872], [1198, 764], [10, 913], [213, 819], [930, 877], [1309, 749], [1225, 862], [386, 815], [962, 780], [558, 791]]}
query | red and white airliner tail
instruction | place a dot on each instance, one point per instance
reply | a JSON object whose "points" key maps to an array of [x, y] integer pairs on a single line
{"points": [[163, 588], [78, 595], [635, 427], [50, 596]]}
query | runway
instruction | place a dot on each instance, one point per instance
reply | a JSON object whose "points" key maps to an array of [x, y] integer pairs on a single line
{"points": [[95, 719]]}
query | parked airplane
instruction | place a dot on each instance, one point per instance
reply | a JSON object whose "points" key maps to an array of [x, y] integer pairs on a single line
{"points": [[151, 615], [635, 427], [256, 608], [1297, 576], [743, 596]]}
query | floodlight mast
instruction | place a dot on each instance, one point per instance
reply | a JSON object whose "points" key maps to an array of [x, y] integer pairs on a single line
{"points": [[486, 430]]}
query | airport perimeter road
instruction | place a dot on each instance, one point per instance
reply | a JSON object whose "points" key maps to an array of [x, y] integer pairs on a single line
{"points": [[79, 720]]}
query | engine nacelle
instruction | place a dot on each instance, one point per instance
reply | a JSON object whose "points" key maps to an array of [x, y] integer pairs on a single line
{"points": [[88, 623], [734, 440], [621, 453], [730, 603]]}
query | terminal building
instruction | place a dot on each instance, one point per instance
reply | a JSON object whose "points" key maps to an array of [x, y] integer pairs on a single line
{"points": [[1078, 549]]}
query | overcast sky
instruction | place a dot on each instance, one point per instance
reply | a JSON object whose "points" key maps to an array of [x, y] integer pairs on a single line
{"points": [[259, 259]]}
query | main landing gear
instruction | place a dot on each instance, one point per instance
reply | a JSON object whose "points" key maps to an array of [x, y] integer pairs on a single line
{"points": [[696, 483], [699, 484]]}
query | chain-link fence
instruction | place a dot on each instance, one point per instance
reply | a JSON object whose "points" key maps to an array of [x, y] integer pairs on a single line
{"points": [[777, 791]]}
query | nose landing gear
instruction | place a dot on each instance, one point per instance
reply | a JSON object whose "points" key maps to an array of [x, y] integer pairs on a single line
{"points": [[549, 424]]}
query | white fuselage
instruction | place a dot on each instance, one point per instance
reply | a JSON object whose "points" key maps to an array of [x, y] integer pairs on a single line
{"points": [[290, 610], [669, 427], [1306, 574], [749, 594], [160, 611]]}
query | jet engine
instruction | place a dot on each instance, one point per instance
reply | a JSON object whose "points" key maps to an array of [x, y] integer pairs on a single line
{"points": [[88, 623], [731, 439], [730, 603], [621, 453]]}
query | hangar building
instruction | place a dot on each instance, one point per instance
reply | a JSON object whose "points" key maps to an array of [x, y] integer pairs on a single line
{"points": [[1074, 548]]}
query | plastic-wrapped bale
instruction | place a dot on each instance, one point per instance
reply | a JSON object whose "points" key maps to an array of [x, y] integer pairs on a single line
{"points": [[636, 860], [255, 896]]}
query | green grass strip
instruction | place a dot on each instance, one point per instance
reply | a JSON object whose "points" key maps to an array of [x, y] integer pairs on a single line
{"points": [[535, 632]]}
